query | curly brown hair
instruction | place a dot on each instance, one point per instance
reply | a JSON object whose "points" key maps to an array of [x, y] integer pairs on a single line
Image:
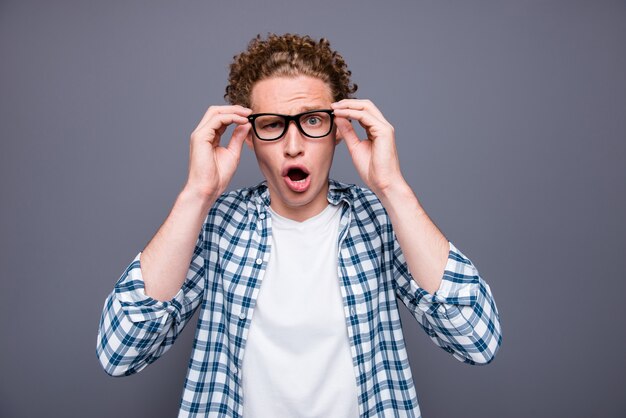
{"points": [[287, 55]]}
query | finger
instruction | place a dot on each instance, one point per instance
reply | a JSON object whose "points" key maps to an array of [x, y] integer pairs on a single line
{"points": [[213, 129], [215, 110], [236, 140], [227, 122], [218, 120], [356, 104], [365, 118], [346, 131]]}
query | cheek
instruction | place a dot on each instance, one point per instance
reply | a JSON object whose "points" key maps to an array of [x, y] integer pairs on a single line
{"points": [[326, 155], [265, 160]]}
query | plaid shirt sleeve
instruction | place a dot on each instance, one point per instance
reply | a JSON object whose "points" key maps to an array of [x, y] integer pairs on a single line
{"points": [[461, 316], [135, 329]]}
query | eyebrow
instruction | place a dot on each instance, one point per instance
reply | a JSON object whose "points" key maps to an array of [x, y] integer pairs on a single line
{"points": [[308, 108], [302, 109]]}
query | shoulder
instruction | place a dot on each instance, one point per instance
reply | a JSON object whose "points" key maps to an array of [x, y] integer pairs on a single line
{"points": [[236, 197], [234, 206], [365, 205]]}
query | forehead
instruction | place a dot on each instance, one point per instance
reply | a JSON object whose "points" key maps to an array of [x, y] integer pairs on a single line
{"points": [[289, 95]]}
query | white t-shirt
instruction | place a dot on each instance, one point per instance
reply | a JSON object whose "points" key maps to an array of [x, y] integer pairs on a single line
{"points": [[297, 360]]}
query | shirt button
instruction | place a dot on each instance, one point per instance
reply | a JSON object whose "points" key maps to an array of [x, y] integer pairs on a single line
{"points": [[352, 312], [262, 215], [259, 261], [242, 315]]}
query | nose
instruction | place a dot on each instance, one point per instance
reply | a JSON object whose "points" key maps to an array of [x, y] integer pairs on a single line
{"points": [[293, 141]]}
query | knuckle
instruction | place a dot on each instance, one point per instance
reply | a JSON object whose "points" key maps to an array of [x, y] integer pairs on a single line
{"points": [[200, 136], [213, 111]]}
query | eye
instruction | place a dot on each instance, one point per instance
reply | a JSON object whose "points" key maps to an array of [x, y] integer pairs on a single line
{"points": [[270, 123], [273, 125], [313, 120]]}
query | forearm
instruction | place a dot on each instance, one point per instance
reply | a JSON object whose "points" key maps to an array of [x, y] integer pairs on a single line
{"points": [[166, 259], [424, 247], [135, 329], [126, 345], [458, 311], [463, 318]]}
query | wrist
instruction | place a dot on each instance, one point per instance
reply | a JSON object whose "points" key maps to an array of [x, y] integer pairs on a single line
{"points": [[397, 188], [196, 197], [398, 193]]}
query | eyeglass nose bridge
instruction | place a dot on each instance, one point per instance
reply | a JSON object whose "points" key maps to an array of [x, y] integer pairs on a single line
{"points": [[296, 121]]}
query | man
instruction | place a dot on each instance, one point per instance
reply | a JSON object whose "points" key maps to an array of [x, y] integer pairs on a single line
{"points": [[297, 279]]}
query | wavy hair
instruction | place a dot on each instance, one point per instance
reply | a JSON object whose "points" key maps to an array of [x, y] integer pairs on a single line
{"points": [[287, 55]]}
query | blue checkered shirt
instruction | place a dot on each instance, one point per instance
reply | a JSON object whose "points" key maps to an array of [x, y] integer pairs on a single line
{"points": [[224, 279]]}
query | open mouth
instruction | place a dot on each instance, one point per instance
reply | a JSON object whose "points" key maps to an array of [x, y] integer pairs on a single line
{"points": [[297, 174], [297, 178]]}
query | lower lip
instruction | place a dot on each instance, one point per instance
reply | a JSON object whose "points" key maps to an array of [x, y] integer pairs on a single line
{"points": [[298, 186]]}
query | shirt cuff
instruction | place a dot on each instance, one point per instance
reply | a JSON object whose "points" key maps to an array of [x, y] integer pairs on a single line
{"points": [[139, 307], [460, 284]]}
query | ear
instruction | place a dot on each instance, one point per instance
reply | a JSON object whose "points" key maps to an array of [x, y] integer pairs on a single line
{"points": [[338, 137], [249, 140]]}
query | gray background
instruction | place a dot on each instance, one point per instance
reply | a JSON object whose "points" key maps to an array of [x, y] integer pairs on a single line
{"points": [[510, 119]]}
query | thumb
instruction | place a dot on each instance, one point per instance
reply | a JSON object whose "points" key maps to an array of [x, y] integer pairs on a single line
{"points": [[346, 131], [236, 140]]}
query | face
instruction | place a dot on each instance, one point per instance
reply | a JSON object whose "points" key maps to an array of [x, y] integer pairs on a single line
{"points": [[296, 167]]}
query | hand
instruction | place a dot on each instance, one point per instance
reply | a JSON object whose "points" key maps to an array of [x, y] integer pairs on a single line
{"points": [[212, 166], [375, 158]]}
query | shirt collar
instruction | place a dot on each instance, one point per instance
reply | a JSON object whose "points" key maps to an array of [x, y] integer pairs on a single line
{"points": [[337, 192]]}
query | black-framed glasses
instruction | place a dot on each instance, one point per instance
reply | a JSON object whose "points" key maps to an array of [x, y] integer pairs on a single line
{"points": [[272, 126]]}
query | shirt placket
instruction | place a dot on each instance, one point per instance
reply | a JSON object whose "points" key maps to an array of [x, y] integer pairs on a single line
{"points": [[346, 270], [260, 236]]}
